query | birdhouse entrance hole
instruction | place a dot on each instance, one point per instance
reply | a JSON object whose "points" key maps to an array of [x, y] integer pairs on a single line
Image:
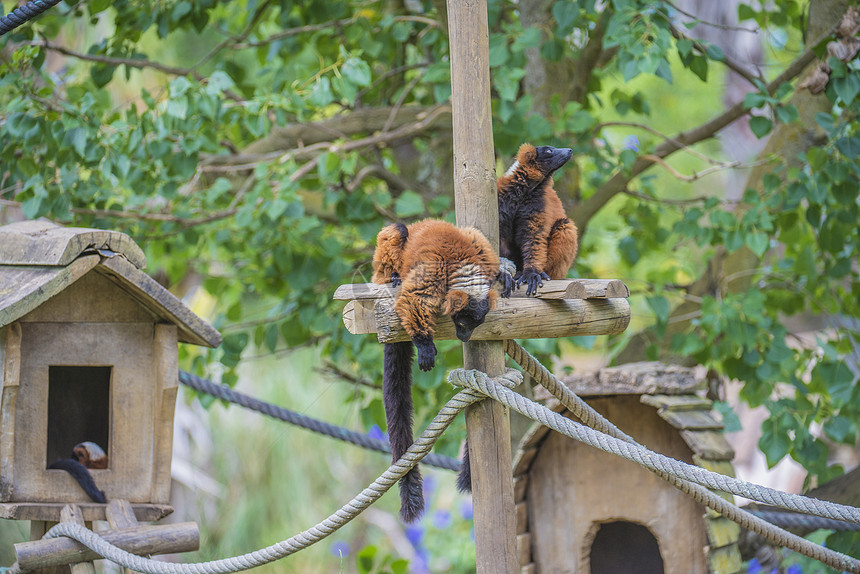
{"points": [[78, 408], [625, 548]]}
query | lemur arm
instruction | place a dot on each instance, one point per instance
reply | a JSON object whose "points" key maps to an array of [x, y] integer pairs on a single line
{"points": [[531, 235], [388, 256]]}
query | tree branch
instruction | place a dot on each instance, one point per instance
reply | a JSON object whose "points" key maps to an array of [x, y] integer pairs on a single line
{"points": [[583, 213]]}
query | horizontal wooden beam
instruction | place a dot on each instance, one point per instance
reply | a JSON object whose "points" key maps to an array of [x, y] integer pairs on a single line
{"points": [[140, 540], [512, 319], [554, 289], [50, 511]]}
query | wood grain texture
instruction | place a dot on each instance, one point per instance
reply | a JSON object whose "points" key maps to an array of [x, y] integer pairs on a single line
{"points": [[23, 288], [50, 511], [10, 337], [72, 513], [192, 329], [120, 515], [167, 379], [140, 540], [553, 289], [476, 205], [41, 242], [514, 319]]}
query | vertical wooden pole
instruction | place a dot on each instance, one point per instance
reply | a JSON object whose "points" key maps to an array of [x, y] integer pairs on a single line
{"points": [[476, 204]]}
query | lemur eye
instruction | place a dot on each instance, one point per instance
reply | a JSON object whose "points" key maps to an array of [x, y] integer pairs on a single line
{"points": [[549, 152]]}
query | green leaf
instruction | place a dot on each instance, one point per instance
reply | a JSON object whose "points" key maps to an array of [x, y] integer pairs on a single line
{"points": [[715, 53], [774, 442], [847, 87], [754, 100], [757, 242], [499, 53], [685, 47], [699, 66], [356, 71], [409, 204], [321, 94], [760, 126], [786, 113], [841, 429], [566, 14], [849, 147]]}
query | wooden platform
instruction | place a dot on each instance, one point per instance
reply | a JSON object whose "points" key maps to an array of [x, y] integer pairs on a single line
{"points": [[562, 308]]}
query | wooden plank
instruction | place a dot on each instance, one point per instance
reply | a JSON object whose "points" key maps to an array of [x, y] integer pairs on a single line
{"points": [[192, 329], [690, 420], [140, 540], [524, 548], [553, 289], [529, 568], [120, 515], [71, 513], [522, 517], [519, 319], [708, 444], [521, 483], [677, 402], [11, 369], [50, 511], [524, 460], [166, 364], [23, 289], [41, 242]]}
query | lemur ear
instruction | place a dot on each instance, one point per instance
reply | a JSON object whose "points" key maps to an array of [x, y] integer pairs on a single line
{"points": [[493, 297], [527, 154], [456, 300]]}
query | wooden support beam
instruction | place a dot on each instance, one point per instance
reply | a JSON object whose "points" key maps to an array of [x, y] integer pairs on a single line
{"points": [[512, 319], [72, 513], [141, 540], [554, 289], [476, 205]]}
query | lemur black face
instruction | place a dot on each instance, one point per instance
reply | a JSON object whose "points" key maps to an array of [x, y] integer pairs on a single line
{"points": [[551, 158], [467, 319]]}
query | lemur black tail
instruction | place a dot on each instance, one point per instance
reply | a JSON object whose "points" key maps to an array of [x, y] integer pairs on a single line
{"points": [[397, 398], [464, 479], [80, 473]]}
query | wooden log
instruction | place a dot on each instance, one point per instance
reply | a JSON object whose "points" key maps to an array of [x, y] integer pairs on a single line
{"points": [[554, 289], [140, 540], [512, 319], [50, 511], [120, 515], [72, 513], [476, 205]]}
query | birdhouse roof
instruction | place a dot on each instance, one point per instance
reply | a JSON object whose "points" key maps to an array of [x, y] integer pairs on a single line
{"points": [[39, 259]]}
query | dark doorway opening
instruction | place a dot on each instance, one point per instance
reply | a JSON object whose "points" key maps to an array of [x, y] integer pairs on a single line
{"points": [[78, 409], [625, 548]]}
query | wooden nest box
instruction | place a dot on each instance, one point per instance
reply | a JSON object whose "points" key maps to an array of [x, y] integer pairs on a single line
{"points": [[88, 352], [583, 510]]}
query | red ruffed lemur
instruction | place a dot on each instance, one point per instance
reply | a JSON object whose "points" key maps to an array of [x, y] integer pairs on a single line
{"points": [[535, 233], [85, 455], [440, 268]]}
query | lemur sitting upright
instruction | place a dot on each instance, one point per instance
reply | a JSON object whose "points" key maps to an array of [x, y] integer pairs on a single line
{"points": [[440, 268], [534, 230]]}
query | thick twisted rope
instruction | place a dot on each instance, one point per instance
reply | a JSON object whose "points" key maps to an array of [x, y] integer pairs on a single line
{"points": [[804, 522], [226, 393], [24, 13], [670, 469], [304, 539]]}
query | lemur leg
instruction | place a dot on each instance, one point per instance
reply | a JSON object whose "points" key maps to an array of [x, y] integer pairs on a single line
{"points": [[562, 246], [532, 239], [389, 253]]}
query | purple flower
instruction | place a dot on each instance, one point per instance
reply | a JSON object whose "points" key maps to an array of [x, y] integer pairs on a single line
{"points": [[376, 432], [415, 534], [794, 569], [754, 567], [466, 510], [441, 519], [340, 548], [631, 142]]}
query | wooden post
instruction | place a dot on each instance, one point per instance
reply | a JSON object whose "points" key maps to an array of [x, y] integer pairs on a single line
{"points": [[476, 204]]}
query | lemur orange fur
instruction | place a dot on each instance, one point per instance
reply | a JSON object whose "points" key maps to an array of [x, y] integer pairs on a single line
{"points": [[535, 233], [440, 268]]}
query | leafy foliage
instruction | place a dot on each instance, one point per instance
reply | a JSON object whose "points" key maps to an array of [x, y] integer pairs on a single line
{"points": [[255, 147]]}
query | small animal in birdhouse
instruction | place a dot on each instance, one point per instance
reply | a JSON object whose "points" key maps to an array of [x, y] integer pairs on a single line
{"points": [[85, 455]]}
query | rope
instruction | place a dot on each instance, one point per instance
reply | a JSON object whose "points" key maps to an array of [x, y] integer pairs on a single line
{"points": [[24, 13], [304, 539], [226, 393], [806, 522], [677, 472]]}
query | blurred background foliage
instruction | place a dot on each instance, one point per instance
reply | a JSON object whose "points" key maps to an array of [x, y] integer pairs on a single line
{"points": [[253, 148]]}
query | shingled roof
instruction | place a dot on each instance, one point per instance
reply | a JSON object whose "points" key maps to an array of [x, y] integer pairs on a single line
{"points": [[39, 259]]}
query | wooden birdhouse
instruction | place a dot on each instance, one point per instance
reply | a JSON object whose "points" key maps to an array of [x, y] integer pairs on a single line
{"points": [[583, 510], [88, 352]]}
